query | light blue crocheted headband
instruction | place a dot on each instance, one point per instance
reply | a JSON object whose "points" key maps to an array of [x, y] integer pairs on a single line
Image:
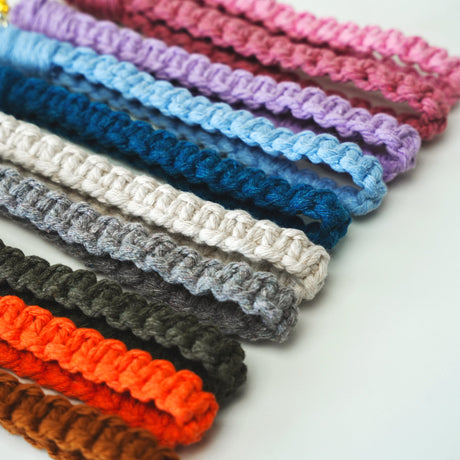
{"points": [[38, 55]]}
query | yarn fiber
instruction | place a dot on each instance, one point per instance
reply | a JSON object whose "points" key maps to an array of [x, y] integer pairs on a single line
{"points": [[197, 71], [248, 39], [180, 411], [227, 316], [227, 148], [256, 293], [71, 432], [36, 54], [75, 116], [349, 37], [129, 314], [288, 250]]}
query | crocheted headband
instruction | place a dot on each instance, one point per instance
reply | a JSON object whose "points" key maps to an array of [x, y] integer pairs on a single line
{"points": [[257, 293], [178, 410], [98, 126], [37, 54], [178, 337], [227, 316], [347, 194], [248, 39], [196, 71], [233, 149], [228, 56], [289, 250], [229, 148], [204, 219], [131, 342], [71, 432], [210, 383], [351, 39], [284, 278]]}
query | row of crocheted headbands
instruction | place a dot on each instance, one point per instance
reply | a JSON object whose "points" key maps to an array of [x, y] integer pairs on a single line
{"points": [[234, 242]]}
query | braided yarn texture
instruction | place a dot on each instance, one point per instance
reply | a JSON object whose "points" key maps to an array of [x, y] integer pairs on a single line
{"points": [[228, 148], [233, 149], [208, 252], [37, 54], [74, 115], [349, 37], [227, 316], [179, 394], [257, 293], [131, 342], [238, 62], [221, 357], [289, 250], [227, 56], [213, 79], [71, 432], [50, 375], [248, 39], [376, 64]]}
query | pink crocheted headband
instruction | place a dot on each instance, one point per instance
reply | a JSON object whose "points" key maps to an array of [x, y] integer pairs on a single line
{"points": [[296, 49]]}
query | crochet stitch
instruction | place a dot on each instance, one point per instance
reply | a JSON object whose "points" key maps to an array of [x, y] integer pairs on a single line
{"points": [[51, 375], [222, 370], [349, 37], [257, 293], [26, 145], [131, 342], [227, 148], [275, 15], [209, 252], [196, 71], [75, 116], [37, 54], [227, 316], [178, 395], [226, 56], [180, 183], [71, 432], [252, 40]]}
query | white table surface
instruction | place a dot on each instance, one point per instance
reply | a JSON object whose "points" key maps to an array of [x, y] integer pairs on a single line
{"points": [[373, 370]]}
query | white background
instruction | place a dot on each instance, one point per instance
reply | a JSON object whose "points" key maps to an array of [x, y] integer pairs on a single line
{"points": [[373, 370]]}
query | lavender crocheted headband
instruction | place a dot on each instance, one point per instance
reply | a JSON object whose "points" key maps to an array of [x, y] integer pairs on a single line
{"points": [[217, 28], [400, 142]]}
